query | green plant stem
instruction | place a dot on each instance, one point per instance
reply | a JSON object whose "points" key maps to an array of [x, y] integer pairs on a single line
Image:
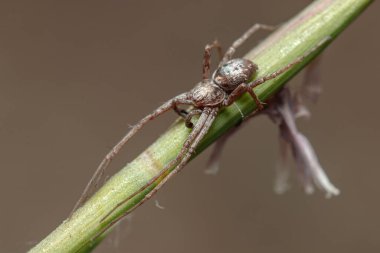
{"points": [[319, 20]]}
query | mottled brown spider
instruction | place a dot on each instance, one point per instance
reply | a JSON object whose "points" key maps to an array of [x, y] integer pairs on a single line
{"points": [[229, 81]]}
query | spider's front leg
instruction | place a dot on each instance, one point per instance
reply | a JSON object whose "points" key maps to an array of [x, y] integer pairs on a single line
{"points": [[190, 115], [187, 115], [96, 177], [210, 117], [181, 112], [200, 130]]}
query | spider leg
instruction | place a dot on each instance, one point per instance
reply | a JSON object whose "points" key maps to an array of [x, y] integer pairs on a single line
{"points": [[208, 119], [237, 43], [248, 87], [181, 112], [188, 143], [203, 131], [94, 181], [207, 58], [236, 93], [288, 66], [190, 115]]}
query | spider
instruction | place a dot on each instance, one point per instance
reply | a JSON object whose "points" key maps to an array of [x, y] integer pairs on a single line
{"points": [[227, 83]]}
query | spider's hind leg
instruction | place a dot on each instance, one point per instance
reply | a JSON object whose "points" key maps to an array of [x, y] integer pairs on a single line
{"points": [[207, 58], [249, 87], [236, 93], [240, 41], [298, 60]]}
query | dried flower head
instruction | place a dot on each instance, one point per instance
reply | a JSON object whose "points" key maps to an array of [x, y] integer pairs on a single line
{"points": [[283, 111]]}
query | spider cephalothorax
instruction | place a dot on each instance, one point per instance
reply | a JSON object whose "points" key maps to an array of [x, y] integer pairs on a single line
{"points": [[226, 78], [207, 93], [229, 81]]}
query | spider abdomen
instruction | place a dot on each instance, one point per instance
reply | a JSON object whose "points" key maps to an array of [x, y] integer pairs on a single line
{"points": [[234, 72]]}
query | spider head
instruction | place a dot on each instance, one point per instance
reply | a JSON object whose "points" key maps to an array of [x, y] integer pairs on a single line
{"points": [[206, 93], [234, 72]]}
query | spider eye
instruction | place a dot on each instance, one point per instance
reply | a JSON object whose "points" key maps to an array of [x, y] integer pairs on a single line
{"points": [[233, 73]]}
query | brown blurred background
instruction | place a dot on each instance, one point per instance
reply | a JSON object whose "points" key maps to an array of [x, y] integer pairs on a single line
{"points": [[74, 74]]}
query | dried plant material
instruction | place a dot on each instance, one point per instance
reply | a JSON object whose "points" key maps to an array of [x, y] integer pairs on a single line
{"points": [[158, 205], [311, 87], [284, 109], [213, 163], [283, 112]]}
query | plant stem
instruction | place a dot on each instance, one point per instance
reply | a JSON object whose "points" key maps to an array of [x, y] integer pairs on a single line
{"points": [[319, 20]]}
